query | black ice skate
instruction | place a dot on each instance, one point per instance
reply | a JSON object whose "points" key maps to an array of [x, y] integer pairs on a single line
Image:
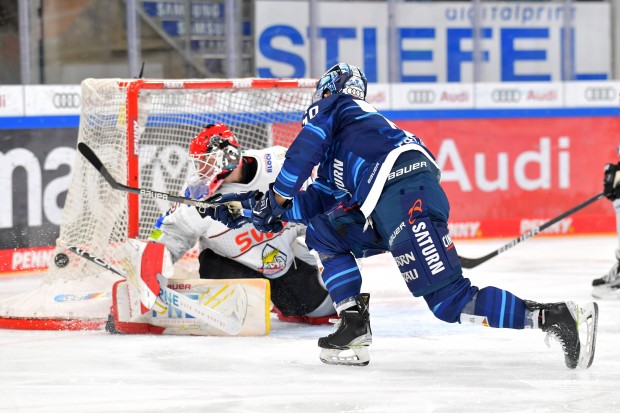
{"points": [[109, 325], [608, 286], [565, 321], [348, 343]]}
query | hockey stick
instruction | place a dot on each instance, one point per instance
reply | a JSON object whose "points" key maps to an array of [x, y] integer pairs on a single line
{"points": [[474, 262], [234, 206], [229, 325]]}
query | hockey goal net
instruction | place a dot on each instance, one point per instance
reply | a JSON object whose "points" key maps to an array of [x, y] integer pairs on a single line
{"points": [[141, 129]]}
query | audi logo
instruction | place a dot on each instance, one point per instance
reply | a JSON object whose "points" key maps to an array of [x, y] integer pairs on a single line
{"points": [[420, 97], [66, 100], [600, 94], [506, 95]]}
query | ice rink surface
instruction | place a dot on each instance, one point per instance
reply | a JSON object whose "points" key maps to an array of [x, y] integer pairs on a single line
{"points": [[418, 363]]}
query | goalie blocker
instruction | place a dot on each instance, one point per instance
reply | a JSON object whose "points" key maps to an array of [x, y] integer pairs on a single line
{"points": [[247, 300]]}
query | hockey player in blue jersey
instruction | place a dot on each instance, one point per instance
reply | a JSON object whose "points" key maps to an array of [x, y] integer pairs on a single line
{"points": [[377, 187]]}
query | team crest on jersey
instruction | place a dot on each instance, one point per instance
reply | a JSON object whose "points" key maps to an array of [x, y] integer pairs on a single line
{"points": [[274, 260]]}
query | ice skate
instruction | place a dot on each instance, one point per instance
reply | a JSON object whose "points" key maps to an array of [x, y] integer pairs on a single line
{"points": [[109, 325], [573, 326], [608, 286], [348, 343]]}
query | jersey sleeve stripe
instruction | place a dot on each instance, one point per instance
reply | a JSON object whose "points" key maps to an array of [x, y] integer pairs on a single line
{"points": [[316, 130]]}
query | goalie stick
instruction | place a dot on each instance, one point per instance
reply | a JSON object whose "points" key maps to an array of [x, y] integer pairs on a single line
{"points": [[474, 262], [228, 324], [234, 206]]}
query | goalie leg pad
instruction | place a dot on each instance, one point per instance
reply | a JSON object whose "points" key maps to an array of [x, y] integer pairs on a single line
{"points": [[226, 297], [120, 322]]}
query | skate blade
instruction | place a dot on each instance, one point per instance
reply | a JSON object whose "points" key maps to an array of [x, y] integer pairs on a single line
{"points": [[354, 356], [606, 292], [588, 319]]}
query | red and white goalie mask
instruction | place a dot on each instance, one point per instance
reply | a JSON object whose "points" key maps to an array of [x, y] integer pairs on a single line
{"points": [[215, 154]]}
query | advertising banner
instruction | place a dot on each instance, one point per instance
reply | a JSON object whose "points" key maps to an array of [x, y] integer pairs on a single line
{"points": [[519, 41], [506, 176], [35, 173], [513, 155]]}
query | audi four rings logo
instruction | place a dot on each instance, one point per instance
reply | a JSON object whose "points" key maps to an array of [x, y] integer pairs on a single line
{"points": [[600, 94], [506, 95], [421, 96], [66, 100]]}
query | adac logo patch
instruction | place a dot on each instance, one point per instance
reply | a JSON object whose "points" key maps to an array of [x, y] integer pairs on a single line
{"points": [[416, 208], [274, 260]]}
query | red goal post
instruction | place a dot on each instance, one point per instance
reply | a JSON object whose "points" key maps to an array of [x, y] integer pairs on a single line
{"points": [[141, 129]]}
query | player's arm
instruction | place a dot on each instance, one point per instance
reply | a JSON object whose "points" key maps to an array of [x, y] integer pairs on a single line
{"points": [[306, 151], [179, 230], [316, 199]]}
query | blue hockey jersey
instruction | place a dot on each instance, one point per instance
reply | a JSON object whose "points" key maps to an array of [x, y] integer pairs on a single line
{"points": [[354, 146]]}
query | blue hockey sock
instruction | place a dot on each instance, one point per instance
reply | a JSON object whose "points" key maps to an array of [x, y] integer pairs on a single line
{"points": [[501, 308], [341, 276]]}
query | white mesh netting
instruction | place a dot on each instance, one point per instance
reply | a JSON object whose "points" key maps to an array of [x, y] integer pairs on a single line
{"points": [[163, 116]]}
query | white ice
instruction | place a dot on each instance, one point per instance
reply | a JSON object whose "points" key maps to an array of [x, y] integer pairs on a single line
{"points": [[418, 363]]}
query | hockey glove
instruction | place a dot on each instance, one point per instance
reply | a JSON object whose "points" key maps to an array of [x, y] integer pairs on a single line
{"points": [[611, 181], [229, 208], [267, 213]]}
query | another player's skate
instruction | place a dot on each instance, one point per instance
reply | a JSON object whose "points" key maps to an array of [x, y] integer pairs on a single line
{"points": [[565, 321], [608, 286], [348, 343]]}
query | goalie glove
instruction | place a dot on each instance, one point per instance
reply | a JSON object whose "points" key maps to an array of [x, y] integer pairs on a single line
{"points": [[611, 181], [230, 208]]}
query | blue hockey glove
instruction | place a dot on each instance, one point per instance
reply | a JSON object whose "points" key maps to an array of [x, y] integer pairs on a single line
{"points": [[267, 213], [229, 208]]}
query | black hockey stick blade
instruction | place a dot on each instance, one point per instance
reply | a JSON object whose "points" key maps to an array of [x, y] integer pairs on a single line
{"points": [[88, 153], [96, 260], [474, 262]]}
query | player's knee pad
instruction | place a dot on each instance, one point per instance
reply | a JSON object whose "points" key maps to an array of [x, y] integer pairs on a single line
{"points": [[299, 291], [422, 248]]}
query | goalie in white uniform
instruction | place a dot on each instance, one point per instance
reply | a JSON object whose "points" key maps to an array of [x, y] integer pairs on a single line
{"points": [[237, 250]]}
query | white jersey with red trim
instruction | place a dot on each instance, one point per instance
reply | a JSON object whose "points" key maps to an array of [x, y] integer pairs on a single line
{"points": [[270, 254]]}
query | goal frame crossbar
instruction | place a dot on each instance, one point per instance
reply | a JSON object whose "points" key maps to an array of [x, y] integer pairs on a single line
{"points": [[134, 88]]}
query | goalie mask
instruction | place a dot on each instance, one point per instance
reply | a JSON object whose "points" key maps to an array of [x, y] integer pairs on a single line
{"points": [[215, 154], [342, 78]]}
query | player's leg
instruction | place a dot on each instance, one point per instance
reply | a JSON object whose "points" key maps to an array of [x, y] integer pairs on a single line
{"points": [[427, 259], [494, 307], [337, 236], [608, 286]]}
